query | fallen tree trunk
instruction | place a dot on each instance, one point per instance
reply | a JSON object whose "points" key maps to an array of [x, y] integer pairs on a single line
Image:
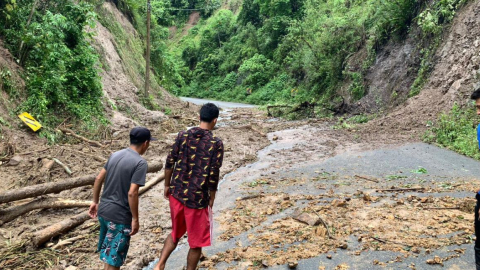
{"points": [[42, 236], [55, 187], [13, 212]]}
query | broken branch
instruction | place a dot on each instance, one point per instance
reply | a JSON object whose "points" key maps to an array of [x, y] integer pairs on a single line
{"points": [[399, 189], [324, 224], [73, 134], [366, 178], [389, 241], [65, 167]]}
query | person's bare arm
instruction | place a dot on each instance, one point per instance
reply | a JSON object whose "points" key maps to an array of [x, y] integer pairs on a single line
{"points": [[133, 203], [168, 178], [97, 186]]}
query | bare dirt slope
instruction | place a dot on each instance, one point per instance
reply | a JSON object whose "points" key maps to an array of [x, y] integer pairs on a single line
{"points": [[452, 80]]}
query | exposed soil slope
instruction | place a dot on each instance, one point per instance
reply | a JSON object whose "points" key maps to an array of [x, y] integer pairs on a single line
{"points": [[454, 76]]}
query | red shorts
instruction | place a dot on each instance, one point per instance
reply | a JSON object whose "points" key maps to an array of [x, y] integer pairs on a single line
{"points": [[197, 222]]}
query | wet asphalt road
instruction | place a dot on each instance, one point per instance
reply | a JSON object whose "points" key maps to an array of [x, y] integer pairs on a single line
{"points": [[441, 165]]}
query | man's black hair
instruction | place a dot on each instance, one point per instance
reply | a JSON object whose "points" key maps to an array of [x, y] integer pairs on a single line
{"points": [[209, 112], [476, 94]]}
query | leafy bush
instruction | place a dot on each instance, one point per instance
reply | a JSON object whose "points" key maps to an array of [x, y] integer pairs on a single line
{"points": [[456, 130], [257, 71], [61, 66]]}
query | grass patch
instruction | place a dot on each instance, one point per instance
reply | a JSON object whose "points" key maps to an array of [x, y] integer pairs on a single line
{"points": [[456, 131]]}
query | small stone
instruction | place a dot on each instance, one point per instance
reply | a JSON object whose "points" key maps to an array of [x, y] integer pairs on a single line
{"points": [[265, 263], [292, 264], [329, 256], [339, 203], [307, 218], [14, 161], [321, 231], [344, 246], [71, 267], [275, 137]]}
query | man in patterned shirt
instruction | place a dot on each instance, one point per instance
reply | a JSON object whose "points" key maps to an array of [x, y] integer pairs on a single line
{"points": [[191, 179]]}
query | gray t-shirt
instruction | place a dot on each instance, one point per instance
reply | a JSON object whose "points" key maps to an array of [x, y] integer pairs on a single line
{"points": [[124, 167]]}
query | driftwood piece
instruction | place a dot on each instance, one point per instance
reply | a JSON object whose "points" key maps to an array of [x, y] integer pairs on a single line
{"points": [[55, 187], [366, 178], [13, 212], [400, 189], [42, 236], [68, 241], [73, 134], [65, 167]]}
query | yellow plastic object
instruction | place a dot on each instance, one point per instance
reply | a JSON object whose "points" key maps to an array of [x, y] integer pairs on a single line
{"points": [[30, 121]]}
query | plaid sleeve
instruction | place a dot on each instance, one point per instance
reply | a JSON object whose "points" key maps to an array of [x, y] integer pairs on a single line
{"points": [[173, 155], [217, 160]]}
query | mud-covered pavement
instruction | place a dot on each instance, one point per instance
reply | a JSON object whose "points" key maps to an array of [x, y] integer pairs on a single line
{"points": [[304, 195], [333, 176]]}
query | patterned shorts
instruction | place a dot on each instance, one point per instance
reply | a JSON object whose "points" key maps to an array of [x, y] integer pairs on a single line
{"points": [[113, 242]]}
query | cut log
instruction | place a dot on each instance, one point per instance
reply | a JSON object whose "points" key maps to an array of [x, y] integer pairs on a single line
{"points": [[13, 212], [151, 183], [42, 189], [73, 134], [42, 236], [55, 187]]}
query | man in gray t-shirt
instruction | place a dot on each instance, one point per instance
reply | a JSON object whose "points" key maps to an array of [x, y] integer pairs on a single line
{"points": [[124, 174]]}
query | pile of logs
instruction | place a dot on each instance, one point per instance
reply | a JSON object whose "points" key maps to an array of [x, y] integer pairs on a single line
{"points": [[38, 238]]}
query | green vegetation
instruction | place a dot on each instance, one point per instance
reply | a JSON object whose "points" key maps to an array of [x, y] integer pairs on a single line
{"points": [[61, 67], [420, 170], [287, 51], [456, 130]]}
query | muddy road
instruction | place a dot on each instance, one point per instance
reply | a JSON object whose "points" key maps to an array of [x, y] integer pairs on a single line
{"points": [[385, 204], [298, 193]]}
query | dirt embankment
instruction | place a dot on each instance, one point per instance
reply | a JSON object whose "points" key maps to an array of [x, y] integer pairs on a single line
{"points": [[454, 77]]}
